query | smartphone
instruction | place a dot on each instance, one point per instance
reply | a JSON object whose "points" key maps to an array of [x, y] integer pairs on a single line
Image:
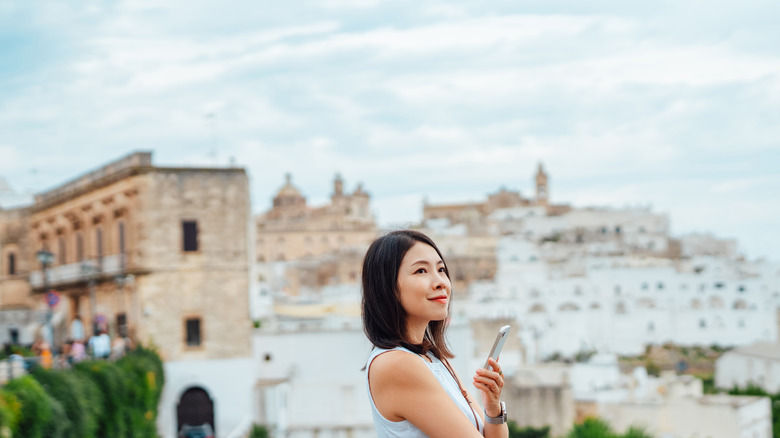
{"points": [[503, 332]]}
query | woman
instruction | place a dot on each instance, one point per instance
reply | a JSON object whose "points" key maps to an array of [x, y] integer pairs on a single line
{"points": [[414, 391]]}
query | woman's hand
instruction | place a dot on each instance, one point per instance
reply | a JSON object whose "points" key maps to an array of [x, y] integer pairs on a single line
{"points": [[490, 383]]}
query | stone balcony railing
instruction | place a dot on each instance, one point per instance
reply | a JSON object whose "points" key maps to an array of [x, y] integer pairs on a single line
{"points": [[73, 272]]}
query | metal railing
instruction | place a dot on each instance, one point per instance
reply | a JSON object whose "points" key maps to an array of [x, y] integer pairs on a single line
{"points": [[107, 265]]}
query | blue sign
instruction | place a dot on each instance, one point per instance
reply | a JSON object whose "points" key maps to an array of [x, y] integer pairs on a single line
{"points": [[52, 298]]}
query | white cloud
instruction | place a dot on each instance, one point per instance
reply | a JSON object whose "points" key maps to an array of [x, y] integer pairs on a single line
{"points": [[624, 103]]}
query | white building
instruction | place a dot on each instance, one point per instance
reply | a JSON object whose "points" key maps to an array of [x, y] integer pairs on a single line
{"points": [[577, 301], [757, 364], [311, 381]]}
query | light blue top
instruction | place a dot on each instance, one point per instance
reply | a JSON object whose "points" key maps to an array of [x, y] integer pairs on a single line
{"points": [[404, 429]]}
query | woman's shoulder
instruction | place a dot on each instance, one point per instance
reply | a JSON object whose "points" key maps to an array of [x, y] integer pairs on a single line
{"points": [[389, 365]]}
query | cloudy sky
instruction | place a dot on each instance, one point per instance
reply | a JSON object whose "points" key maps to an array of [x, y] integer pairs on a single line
{"points": [[673, 104]]}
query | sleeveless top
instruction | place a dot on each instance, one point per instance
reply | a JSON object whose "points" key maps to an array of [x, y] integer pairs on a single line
{"points": [[404, 429]]}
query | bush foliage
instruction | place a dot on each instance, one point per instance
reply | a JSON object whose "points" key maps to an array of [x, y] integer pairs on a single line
{"points": [[94, 399]]}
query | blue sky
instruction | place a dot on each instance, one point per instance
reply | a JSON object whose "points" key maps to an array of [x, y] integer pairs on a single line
{"points": [[674, 104]]}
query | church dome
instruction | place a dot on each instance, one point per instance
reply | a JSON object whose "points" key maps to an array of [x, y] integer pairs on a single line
{"points": [[288, 195]]}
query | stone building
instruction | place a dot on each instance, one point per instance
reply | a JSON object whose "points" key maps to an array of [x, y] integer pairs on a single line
{"points": [[160, 254], [294, 240], [20, 319], [475, 214]]}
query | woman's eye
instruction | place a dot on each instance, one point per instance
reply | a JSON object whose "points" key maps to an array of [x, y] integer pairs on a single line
{"points": [[442, 270], [420, 271]]}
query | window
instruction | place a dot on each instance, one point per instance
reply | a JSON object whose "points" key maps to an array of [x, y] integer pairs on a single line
{"points": [[121, 324], [99, 242], [11, 263], [660, 285], [190, 232], [121, 231], [13, 334], [79, 247], [193, 332], [61, 259]]}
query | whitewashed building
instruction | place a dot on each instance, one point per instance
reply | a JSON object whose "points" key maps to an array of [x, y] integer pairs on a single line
{"points": [[311, 381], [568, 301], [757, 364]]}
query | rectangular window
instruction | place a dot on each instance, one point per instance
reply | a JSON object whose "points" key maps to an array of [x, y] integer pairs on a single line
{"points": [[61, 259], [122, 244], [193, 332], [99, 242], [79, 247], [121, 324], [190, 234], [121, 237], [11, 264], [13, 334]]}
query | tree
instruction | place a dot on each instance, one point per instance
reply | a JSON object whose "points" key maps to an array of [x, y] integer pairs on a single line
{"points": [[516, 431]]}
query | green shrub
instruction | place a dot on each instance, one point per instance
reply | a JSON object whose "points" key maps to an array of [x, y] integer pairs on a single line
{"points": [[9, 412], [598, 428], [113, 384], [592, 428], [527, 432], [636, 432], [95, 399], [259, 431], [35, 408], [70, 390], [145, 372]]}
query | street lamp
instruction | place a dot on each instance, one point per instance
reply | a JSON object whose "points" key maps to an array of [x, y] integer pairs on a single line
{"points": [[46, 258], [89, 271], [121, 323]]}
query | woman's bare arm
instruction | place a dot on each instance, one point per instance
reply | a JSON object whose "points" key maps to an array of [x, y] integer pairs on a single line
{"points": [[403, 388]]}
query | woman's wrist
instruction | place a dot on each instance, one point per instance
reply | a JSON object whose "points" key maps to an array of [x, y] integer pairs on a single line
{"points": [[496, 419], [493, 410]]}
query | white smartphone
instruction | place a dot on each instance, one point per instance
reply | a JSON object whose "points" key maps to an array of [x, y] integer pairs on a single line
{"points": [[503, 333]]}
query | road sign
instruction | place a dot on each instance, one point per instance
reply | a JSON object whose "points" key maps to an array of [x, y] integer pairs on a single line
{"points": [[52, 298]]}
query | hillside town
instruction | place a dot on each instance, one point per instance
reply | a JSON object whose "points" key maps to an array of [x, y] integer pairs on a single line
{"points": [[256, 316]]}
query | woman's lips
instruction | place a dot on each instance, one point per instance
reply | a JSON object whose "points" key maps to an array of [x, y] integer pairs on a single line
{"points": [[442, 300]]}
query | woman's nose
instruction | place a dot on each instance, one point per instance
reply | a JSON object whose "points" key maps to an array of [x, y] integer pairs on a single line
{"points": [[440, 281]]}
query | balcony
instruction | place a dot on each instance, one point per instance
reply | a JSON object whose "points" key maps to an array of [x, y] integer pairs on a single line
{"points": [[107, 266]]}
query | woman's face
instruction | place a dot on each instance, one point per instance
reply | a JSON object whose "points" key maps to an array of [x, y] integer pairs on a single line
{"points": [[424, 286]]}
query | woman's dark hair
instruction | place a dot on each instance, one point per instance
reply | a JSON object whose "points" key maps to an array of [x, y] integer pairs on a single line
{"points": [[384, 319]]}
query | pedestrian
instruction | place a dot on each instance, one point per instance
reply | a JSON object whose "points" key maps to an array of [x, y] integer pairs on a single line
{"points": [[118, 348], [412, 388], [77, 328], [77, 352], [45, 358], [100, 345]]}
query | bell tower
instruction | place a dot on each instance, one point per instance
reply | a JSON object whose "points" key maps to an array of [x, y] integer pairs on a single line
{"points": [[542, 189]]}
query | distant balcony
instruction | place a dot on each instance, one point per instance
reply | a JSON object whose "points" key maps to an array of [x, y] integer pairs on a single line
{"points": [[74, 272]]}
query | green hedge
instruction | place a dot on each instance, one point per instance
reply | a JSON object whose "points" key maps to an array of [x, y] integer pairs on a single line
{"points": [[95, 399]]}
